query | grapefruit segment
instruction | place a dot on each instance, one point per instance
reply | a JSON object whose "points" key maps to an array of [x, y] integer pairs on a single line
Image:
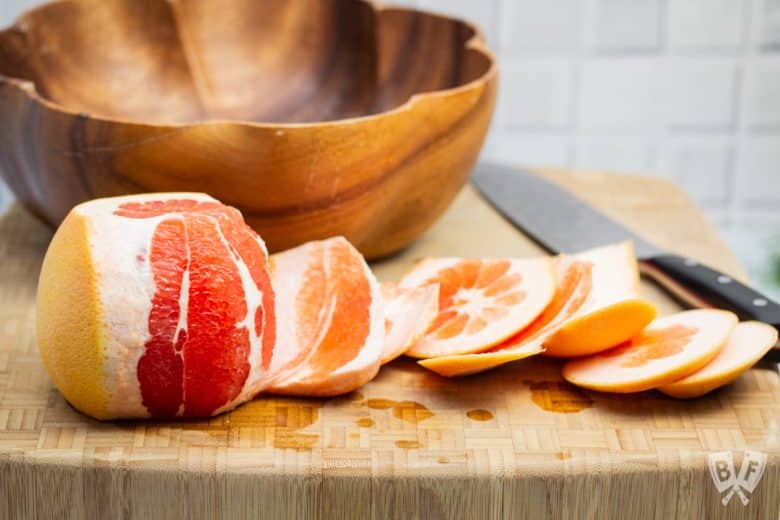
{"points": [[670, 348], [331, 327], [481, 301], [161, 366], [747, 344], [408, 314], [183, 306]]}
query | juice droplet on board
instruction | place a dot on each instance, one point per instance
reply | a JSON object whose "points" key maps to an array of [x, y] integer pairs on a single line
{"points": [[380, 404], [559, 397], [365, 422], [479, 415], [411, 412], [408, 411], [278, 420]]}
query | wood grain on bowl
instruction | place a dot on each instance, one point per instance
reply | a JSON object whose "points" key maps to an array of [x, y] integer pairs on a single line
{"points": [[314, 117]]}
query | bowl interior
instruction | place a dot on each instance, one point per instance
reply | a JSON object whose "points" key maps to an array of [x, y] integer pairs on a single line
{"points": [[275, 61]]}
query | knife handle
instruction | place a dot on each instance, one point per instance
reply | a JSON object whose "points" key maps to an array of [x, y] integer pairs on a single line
{"points": [[701, 286]]}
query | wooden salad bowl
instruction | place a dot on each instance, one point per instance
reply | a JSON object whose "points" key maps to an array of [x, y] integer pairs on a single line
{"points": [[314, 117]]}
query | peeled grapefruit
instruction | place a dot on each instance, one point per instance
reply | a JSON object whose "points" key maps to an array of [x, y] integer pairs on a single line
{"points": [[670, 348], [408, 314], [482, 302], [156, 306], [747, 344], [331, 328]]}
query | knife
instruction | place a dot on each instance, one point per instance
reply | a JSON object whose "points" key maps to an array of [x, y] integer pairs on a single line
{"points": [[525, 200]]}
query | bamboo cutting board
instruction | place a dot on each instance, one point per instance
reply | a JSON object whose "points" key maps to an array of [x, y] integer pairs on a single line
{"points": [[516, 442]]}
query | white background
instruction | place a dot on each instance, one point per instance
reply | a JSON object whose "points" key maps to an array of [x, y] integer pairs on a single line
{"points": [[687, 90]]}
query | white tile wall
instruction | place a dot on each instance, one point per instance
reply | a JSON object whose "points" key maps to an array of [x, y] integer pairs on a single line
{"points": [[523, 148], [762, 92], [627, 25], [701, 92], [684, 89], [622, 94], [758, 172], [614, 152], [705, 24], [768, 33], [536, 27], [535, 93], [701, 165]]}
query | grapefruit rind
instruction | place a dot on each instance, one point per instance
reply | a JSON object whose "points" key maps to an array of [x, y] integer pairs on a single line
{"points": [[616, 371], [468, 364], [746, 345], [68, 321], [600, 329]]}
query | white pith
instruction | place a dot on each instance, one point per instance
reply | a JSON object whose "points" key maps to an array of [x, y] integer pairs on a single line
{"points": [[287, 278], [254, 299], [409, 313], [611, 281]]}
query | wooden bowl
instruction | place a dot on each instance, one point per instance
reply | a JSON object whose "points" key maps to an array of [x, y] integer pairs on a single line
{"points": [[314, 117]]}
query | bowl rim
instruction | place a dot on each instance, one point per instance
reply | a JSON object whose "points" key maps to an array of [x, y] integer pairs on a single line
{"points": [[475, 43]]}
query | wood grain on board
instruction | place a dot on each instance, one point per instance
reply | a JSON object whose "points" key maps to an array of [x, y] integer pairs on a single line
{"points": [[514, 442]]}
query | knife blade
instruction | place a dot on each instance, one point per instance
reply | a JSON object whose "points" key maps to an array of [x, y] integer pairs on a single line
{"points": [[563, 223]]}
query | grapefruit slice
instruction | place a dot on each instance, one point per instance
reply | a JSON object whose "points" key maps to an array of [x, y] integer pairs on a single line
{"points": [[670, 348], [572, 289], [482, 302], [596, 290], [331, 329], [156, 306], [611, 312], [408, 314], [747, 344], [467, 364]]}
